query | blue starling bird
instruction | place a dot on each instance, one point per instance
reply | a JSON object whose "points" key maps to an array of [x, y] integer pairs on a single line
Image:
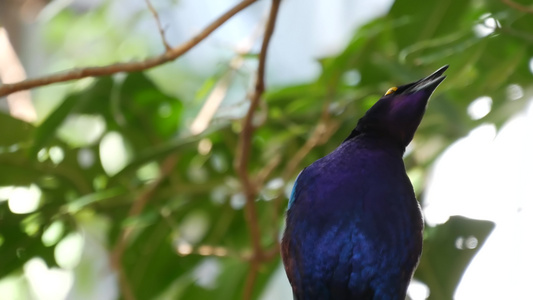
{"points": [[354, 227]]}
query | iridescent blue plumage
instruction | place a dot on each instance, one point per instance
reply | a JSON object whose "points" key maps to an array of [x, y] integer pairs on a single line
{"points": [[354, 227]]}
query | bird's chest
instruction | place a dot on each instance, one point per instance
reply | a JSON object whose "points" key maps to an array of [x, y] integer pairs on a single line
{"points": [[361, 187], [369, 198]]}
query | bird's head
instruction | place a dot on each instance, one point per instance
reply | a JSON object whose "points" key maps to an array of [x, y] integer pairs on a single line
{"points": [[399, 112]]}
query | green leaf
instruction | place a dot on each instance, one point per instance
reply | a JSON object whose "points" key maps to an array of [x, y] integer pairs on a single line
{"points": [[149, 110], [16, 132], [17, 245], [89, 199], [97, 95], [448, 250]]}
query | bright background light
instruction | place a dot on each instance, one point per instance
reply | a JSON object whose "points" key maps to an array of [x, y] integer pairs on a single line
{"points": [[489, 175]]}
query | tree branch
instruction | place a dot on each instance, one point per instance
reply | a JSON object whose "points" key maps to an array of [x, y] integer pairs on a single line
{"points": [[148, 63], [185, 249], [158, 22], [243, 156], [518, 6]]}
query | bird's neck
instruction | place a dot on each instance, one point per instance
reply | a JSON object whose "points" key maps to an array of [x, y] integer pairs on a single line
{"points": [[378, 141]]}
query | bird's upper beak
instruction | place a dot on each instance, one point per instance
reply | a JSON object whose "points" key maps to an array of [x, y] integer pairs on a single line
{"points": [[429, 83]]}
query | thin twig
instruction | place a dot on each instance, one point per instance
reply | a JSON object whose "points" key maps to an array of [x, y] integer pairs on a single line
{"points": [[185, 249], [137, 207], [158, 22], [251, 277], [125, 287], [518, 6], [243, 155], [323, 130], [148, 63], [214, 99]]}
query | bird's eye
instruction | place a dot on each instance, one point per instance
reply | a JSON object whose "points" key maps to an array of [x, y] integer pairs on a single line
{"points": [[391, 90]]}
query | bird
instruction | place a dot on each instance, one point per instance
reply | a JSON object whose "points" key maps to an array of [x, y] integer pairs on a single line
{"points": [[353, 225]]}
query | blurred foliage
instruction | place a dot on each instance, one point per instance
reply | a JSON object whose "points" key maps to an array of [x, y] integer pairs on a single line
{"points": [[122, 128]]}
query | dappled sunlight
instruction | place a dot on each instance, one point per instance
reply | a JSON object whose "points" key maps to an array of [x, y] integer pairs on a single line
{"points": [[418, 290], [351, 77], [205, 146], [56, 154], [272, 189], [114, 153], [193, 227], [86, 158], [206, 273], [53, 233], [515, 92], [487, 25], [148, 172], [82, 130], [237, 201], [480, 107], [183, 248], [69, 250], [469, 242], [24, 200], [89, 262], [47, 283]]}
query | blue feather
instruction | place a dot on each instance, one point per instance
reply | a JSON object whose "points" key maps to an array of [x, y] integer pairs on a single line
{"points": [[293, 192]]}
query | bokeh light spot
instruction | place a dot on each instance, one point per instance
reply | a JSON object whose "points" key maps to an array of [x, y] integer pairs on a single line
{"points": [[514, 92], [114, 153], [68, 251], [24, 200], [480, 107], [56, 154], [486, 26]]}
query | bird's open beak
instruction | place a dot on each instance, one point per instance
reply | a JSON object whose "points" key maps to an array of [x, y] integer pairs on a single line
{"points": [[431, 82]]}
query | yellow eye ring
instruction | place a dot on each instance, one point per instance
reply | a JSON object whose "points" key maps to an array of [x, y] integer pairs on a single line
{"points": [[391, 90]]}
